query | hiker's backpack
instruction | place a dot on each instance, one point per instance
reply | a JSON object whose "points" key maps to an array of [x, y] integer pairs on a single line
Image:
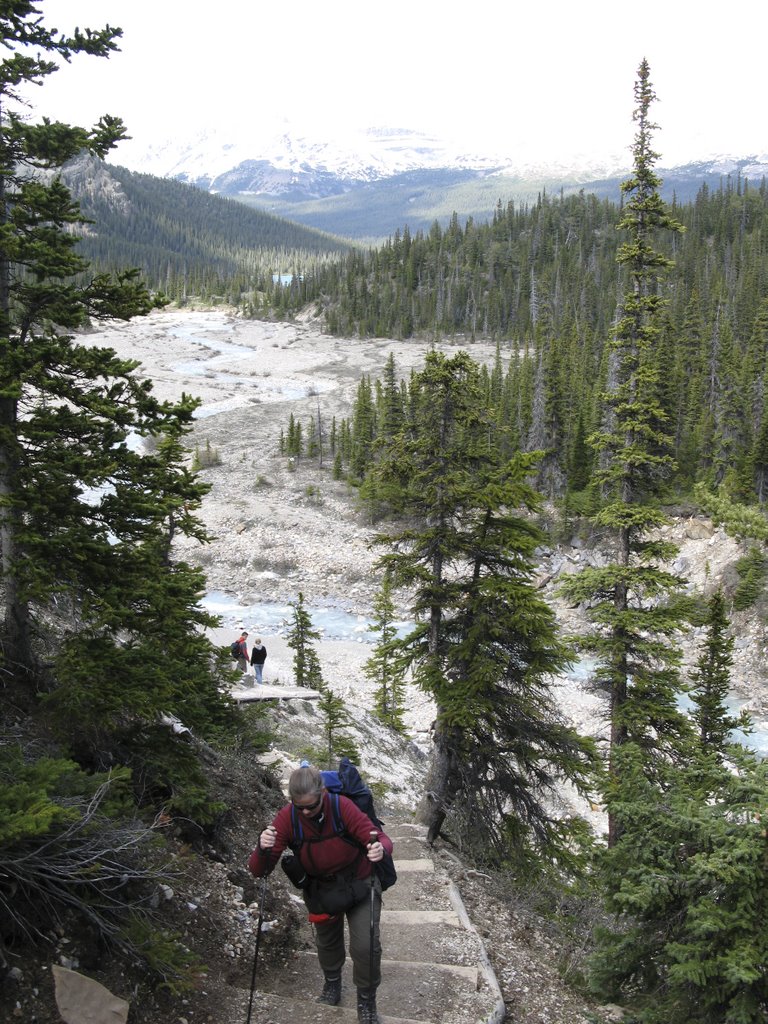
{"points": [[234, 648], [347, 782]]}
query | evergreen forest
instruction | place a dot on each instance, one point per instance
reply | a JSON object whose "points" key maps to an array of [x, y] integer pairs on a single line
{"points": [[544, 282]]}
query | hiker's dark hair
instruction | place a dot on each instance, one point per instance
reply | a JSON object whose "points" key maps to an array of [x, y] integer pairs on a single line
{"points": [[305, 781]]}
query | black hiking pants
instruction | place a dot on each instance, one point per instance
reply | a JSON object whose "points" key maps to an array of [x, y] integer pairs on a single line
{"points": [[329, 939]]}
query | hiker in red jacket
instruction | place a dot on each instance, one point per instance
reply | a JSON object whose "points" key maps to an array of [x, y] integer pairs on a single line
{"points": [[242, 658], [337, 875]]}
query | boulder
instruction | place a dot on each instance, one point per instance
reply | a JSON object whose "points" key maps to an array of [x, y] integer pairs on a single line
{"points": [[695, 529], [81, 1000]]}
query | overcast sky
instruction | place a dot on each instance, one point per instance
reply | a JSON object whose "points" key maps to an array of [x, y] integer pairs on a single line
{"points": [[545, 80]]}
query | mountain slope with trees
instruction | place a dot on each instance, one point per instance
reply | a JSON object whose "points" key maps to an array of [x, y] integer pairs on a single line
{"points": [[186, 242], [102, 638], [681, 873]]}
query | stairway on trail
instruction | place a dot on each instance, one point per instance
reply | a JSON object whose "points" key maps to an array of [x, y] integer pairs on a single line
{"points": [[434, 967]]}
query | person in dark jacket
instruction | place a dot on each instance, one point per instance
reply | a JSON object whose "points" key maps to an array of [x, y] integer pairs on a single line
{"points": [[258, 657], [331, 864]]}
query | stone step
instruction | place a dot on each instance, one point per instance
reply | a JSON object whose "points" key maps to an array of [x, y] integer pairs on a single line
{"points": [[412, 828], [470, 975], [443, 918], [408, 848], [416, 944], [269, 1008], [403, 831], [416, 990], [419, 935], [418, 890], [424, 865]]}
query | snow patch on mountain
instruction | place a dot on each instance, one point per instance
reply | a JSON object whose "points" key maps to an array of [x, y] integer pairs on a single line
{"points": [[364, 154], [276, 156], [354, 155]]}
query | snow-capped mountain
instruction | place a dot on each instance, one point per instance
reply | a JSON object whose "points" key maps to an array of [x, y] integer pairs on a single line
{"points": [[276, 157], [365, 183]]}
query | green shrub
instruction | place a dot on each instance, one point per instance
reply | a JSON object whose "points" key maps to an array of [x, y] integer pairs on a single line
{"points": [[168, 775], [752, 570], [43, 796], [254, 730], [165, 955], [204, 459], [68, 845]]}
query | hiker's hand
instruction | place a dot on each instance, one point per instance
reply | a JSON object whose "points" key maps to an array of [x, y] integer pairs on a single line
{"points": [[375, 851], [267, 838]]}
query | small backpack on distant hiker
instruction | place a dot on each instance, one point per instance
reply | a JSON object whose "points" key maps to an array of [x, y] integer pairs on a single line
{"points": [[235, 650], [346, 781]]}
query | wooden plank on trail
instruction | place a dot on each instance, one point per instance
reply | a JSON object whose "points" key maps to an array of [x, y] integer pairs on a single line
{"points": [[244, 694]]}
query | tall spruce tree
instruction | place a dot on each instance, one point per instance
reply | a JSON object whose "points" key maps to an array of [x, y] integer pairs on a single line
{"points": [[384, 668], [687, 886], [712, 681], [69, 428], [635, 604], [337, 742], [484, 645], [306, 664], [363, 429], [392, 413]]}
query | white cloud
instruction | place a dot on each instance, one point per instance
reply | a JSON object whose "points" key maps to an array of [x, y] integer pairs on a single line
{"points": [[547, 80]]}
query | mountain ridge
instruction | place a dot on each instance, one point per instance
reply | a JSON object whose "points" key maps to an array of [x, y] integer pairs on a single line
{"points": [[365, 184], [370, 154]]}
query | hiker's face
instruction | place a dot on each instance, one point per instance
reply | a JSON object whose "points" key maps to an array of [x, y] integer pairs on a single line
{"points": [[309, 809]]}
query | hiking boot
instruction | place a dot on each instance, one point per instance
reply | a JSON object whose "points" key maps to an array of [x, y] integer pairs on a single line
{"points": [[331, 993], [366, 1006]]}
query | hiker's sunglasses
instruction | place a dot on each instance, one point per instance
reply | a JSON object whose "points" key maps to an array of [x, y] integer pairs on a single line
{"points": [[310, 808]]}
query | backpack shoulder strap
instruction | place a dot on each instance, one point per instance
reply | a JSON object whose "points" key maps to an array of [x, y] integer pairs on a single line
{"points": [[297, 837], [340, 828], [338, 824]]}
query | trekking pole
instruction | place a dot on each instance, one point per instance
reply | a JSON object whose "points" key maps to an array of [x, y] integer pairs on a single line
{"points": [[374, 837], [256, 951]]}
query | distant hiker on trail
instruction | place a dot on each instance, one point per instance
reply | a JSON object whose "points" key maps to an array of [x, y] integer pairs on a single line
{"points": [[337, 876], [258, 657], [242, 656]]}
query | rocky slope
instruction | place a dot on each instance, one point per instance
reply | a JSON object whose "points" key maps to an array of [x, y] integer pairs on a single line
{"points": [[279, 528]]}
